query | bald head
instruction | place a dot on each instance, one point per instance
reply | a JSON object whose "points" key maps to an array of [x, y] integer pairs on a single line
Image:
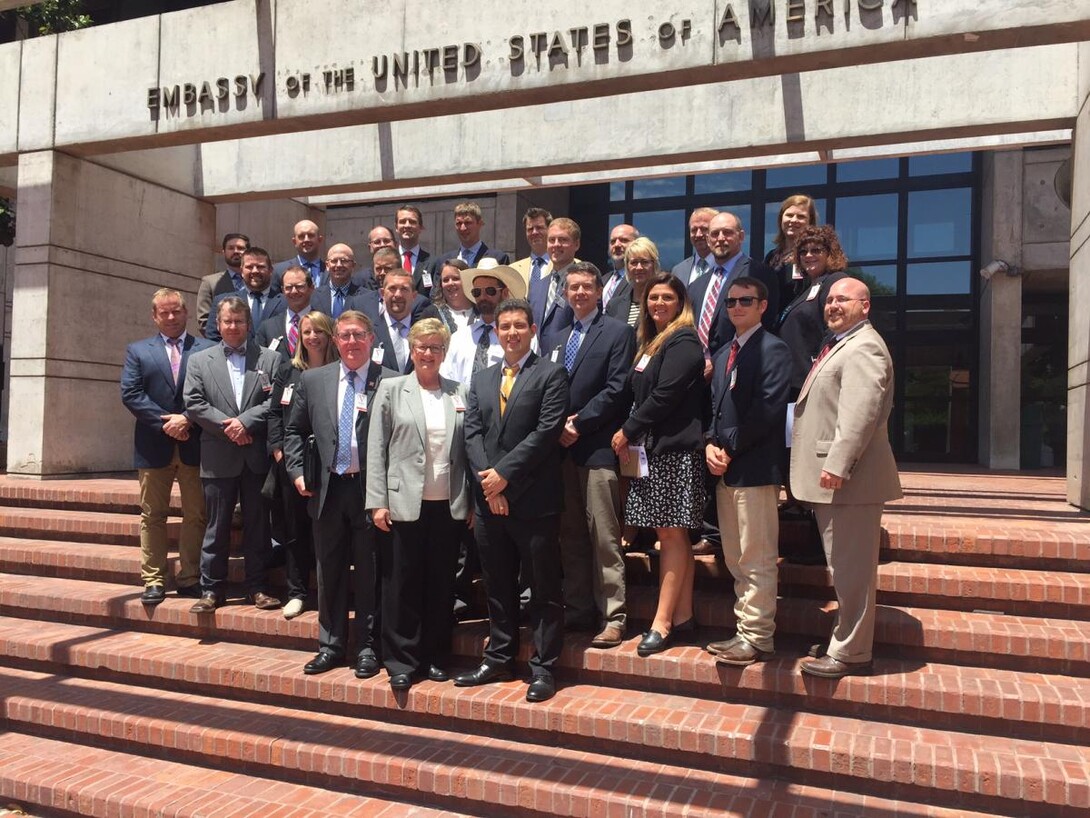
{"points": [[340, 261], [307, 240], [380, 237], [847, 304]]}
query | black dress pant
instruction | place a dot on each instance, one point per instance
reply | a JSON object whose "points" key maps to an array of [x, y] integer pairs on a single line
{"points": [[297, 536], [220, 496], [505, 543], [345, 538], [418, 561]]}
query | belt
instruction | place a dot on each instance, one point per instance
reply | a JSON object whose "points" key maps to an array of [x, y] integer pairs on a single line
{"points": [[345, 477]]}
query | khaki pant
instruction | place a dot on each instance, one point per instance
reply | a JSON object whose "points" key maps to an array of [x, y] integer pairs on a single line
{"points": [[155, 486], [750, 530], [590, 546]]}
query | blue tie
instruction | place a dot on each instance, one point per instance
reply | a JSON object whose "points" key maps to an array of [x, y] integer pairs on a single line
{"points": [[344, 427], [338, 302], [255, 317], [572, 346], [315, 269]]}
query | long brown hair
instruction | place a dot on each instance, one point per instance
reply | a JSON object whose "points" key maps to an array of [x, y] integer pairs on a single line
{"points": [[795, 200], [648, 338]]}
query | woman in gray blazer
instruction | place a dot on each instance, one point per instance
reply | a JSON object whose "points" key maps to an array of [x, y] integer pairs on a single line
{"points": [[418, 490]]}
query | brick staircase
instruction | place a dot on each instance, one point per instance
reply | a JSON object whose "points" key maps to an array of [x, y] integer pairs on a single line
{"points": [[979, 703]]}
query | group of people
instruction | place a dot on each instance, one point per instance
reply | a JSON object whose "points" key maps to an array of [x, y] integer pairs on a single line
{"points": [[398, 428]]}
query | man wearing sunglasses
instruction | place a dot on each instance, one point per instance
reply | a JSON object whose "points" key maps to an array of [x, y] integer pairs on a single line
{"points": [[744, 443]]}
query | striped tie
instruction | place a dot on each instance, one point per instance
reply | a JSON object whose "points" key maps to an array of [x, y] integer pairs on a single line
{"points": [[705, 327]]}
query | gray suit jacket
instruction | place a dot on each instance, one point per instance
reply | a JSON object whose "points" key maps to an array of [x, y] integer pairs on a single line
{"points": [[210, 400], [395, 456], [841, 422]]}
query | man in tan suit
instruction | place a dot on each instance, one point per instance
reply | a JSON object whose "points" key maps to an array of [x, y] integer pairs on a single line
{"points": [[842, 464], [536, 222]]}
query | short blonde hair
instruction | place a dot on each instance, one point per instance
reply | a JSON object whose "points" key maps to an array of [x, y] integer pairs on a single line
{"points": [[429, 326], [164, 293]]}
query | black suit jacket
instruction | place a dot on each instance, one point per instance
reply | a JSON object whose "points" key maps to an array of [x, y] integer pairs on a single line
{"points": [[322, 298], [748, 418], [669, 396], [423, 265], [599, 392], [722, 330], [314, 410], [274, 305], [482, 252], [369, 301], [801, 325], [271, 334], [282, 266], [620, 302], [523, 444]]}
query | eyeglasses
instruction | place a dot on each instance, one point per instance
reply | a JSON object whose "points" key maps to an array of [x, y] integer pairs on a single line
{"points": [[813, 251], [491, 292], [842, 299], [641, 262], [293, 288], [353, 336], [744, 300], [434, 349]]}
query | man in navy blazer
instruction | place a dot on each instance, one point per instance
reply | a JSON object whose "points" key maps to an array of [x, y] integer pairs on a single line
{"points": [[337, 292], [396, 303], [597, 352], [262, 294], [745, 440], [282, 333], [468, 221], [166, 445], [514, 417], [307, 239]]}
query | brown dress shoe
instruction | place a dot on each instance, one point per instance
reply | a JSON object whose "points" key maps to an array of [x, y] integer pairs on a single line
{"points": [[722, 647], [609, 637], [206, 604], [702, 548], [741, 653], [264, 602], [829, 668]]}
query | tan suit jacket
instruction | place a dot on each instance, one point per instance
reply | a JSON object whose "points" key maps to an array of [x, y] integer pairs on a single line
{"points": [[524, 269], [841, 424]]}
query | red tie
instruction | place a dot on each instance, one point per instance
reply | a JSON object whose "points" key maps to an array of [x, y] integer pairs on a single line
{"points": [[809, 375], [734, 347], [408, 264]]}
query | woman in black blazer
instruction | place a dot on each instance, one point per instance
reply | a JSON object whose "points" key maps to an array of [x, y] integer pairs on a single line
{"points": [[797, 212], [315, 348], [670, 392]]}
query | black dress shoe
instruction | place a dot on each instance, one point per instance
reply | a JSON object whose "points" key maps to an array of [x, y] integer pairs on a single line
{"points": [[437, 674], [367, 665], [153, 595], [206, 604], [401, 681], [323, 662], [542, 688], [190, 591], [653, 642], [485, 674]]}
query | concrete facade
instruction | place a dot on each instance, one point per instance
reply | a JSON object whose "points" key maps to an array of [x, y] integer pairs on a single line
{"points": [[1078, 349]]}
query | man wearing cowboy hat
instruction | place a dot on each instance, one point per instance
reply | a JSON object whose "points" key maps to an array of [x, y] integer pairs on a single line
{"points": [[477, 346]]}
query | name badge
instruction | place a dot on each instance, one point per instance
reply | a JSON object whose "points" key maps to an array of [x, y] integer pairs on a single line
{"points": [[733, 378], [810, 296], [377, 354], [556, 355], [425, 278], [459, 404], [274, 344], [263, 381], [642, 363], [361, 401], [285, 398]]}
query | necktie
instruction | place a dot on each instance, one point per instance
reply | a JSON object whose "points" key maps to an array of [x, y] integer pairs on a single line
{"points": [[398, 339], [407, 264], [554, 287], [536, 266], [734, 347], [701, 266], [315, 270], [611, 286], [480, 358], [175, 357], [255, 309], [293, 333], [235, 350], [338, 301], [344, 427], [507, 385], [466, 255], [572, 347], [824, 351], [240, 285], [705, 327]]}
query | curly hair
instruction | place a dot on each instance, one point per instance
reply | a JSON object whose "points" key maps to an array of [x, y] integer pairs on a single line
{"points": [[823, 236]]}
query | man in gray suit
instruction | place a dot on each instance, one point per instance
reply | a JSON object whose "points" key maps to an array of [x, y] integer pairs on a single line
{"points": [[842, 464], [703, 259], [332, 403], [228, 280], [227, 390]]}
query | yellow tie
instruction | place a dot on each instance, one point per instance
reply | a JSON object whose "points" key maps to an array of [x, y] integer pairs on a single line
{"points": [[506, 385]]}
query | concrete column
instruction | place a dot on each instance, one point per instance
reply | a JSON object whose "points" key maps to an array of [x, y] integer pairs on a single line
{"points": [[1078, 338], [999, 424], [269, 224], [93, 245]]}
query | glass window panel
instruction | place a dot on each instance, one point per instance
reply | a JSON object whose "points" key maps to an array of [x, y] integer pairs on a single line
{"points": [[772, 212], [935, 317], [939, 278], [655, 188], [797, 176], [939, 222], [869, 169], [937, 401], [615, 219], [724, 182], [940, 163], [867, 226], [616, 191], [880, 278], [667, 229]]}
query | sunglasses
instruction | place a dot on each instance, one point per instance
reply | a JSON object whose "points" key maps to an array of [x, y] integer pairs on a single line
{"points": [[744, 300], [491, 292]]}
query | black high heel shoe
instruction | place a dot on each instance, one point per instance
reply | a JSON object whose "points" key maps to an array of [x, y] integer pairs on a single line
{"points": [[654, 642]]}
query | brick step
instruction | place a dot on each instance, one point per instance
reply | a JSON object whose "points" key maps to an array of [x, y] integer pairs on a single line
{"points": [[951, 637], [1051, 708], [72, 779], [120, 495], [902, 688], [936, 767], [74, 525]]}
